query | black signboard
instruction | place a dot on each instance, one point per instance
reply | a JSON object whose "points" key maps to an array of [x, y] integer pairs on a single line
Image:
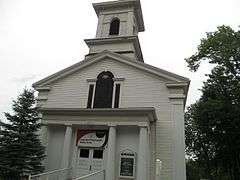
{"points": [[127, 167]]}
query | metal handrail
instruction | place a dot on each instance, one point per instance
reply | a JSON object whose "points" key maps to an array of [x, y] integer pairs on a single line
{"points": [[88, 175], [48, 173]]}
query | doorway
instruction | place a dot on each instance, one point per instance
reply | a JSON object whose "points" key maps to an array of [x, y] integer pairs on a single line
{"points": [[89, 160]]}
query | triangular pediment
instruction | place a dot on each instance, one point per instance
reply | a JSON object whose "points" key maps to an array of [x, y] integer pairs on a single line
{"points": [[168, 76]]}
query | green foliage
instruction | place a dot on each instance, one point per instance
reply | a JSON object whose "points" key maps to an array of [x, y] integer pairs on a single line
{"points": [[213, 123], [21, 151], [194, 170], [220, 47]]}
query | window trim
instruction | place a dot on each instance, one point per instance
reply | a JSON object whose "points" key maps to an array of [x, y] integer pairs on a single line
{"points": [[114, 93], [93, 96], [115, 81], [110, 25]]}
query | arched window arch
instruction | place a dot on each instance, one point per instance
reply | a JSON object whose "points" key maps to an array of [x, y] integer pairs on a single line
{"points": [[114, 27], [104, 90]]}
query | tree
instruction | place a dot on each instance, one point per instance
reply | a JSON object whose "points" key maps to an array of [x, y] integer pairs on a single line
{"points": [[201, 140], [198, 142], [21, 151], [216, 116], [194, 170]]}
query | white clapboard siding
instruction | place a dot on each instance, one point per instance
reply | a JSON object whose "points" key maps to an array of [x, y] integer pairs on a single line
{"points": [[139, 89]]}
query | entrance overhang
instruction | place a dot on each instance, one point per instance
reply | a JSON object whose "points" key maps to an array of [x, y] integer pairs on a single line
{"points": [[99, 116]]}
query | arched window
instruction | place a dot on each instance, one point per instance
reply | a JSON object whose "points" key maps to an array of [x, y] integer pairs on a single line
{"points": [[104, 90], [114, 27]]}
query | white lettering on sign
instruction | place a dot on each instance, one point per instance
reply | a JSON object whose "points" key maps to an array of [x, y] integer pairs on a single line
{"points": [[92, 139]]}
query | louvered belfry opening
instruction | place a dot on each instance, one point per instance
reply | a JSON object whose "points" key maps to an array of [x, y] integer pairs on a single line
{"points": [[114, 27], [104, 90]]}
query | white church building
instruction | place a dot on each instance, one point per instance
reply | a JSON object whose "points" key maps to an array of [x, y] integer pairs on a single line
{"points": [[112, 115]]}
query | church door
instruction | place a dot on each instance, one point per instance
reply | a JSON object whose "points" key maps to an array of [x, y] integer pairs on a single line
{"points": [[89, 160]]}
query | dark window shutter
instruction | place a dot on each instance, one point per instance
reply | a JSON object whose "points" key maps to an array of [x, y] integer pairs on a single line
{"points": [[117, 94], [90, 96]]}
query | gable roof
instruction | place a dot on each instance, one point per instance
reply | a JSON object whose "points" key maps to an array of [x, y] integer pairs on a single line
{"points": [[171, 77]]}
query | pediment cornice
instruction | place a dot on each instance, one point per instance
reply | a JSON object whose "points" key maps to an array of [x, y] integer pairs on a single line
{"points": [[168, 76]]}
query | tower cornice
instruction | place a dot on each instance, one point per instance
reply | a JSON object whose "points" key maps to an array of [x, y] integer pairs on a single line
{"points": [[116, 40]]}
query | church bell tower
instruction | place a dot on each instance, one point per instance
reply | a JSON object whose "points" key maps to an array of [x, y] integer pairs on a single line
{"points": [[118, 25]]}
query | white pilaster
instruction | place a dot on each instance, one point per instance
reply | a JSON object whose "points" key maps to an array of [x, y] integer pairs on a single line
{"points": [[44, 137], [66, 147], [142, 154], [130, 24], [110, 169], [100, 26], [179, 167]]}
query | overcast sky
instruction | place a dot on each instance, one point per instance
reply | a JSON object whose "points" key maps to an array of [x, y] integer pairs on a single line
{"points": [[38, 38]]}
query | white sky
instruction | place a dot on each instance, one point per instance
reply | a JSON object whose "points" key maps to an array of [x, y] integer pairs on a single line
{"points": [[38, 38]]}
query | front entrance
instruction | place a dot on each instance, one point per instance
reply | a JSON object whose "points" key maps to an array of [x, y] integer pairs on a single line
{"points": [[89, 160]]}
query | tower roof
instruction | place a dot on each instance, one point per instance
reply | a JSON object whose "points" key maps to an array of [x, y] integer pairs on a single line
{"points": [[98, 7]]}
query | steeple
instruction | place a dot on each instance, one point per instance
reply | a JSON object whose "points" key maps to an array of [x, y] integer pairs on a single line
{"points": [[118, 25]]}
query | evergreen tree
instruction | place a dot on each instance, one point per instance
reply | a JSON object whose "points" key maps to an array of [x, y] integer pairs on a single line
{"points": [[21, 152]]}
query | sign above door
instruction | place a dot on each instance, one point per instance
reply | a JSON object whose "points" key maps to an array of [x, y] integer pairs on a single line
{"points": [[92, 138]]}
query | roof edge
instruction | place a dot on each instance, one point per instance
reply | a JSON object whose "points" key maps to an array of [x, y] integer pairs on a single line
{"points": [[124, 59]]}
